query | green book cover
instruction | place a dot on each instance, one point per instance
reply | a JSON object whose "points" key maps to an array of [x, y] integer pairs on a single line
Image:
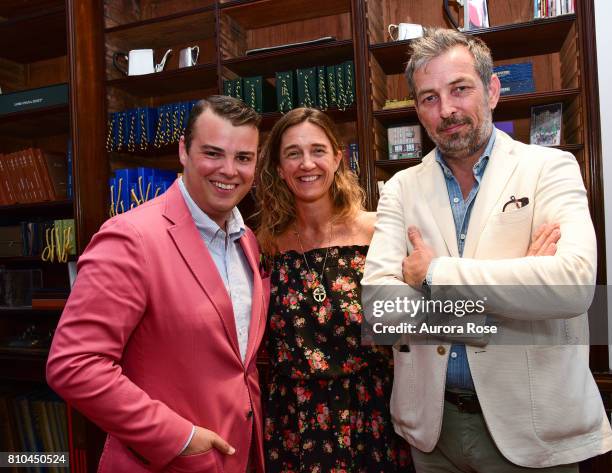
{"points": [[228, 87], [322, 95], [340, 86], [285, 90], [349, 83], [307, 87], [259, 94], [332, 89], [238, 88]]}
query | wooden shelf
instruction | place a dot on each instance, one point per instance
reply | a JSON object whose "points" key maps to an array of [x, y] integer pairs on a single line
{"points": [[510, 107], [268, 63], [198, 77], [184, 27], [395, 165], [30, 259], [18, 8], [48, 305], [41, 122], [252, 14], [148, 23], [53, 210], [23, 364], [531, 38], [27, 311], [337, 115], [35, 36]]}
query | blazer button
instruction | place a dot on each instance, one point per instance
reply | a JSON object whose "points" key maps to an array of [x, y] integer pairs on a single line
{"points": [[249, 414], [441, 350]]}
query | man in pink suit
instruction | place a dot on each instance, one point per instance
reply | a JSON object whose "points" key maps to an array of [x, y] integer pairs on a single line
{"points": [[158, 340]]}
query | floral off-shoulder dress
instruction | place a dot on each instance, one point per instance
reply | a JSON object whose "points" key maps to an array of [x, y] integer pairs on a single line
{"points": [[327, 404]]}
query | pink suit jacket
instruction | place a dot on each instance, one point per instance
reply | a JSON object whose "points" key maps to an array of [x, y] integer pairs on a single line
{"points": [[147, 344]]}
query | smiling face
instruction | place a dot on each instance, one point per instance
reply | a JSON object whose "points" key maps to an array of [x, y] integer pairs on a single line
{"points": [[219, 167], [308, 162], [453, 105]]}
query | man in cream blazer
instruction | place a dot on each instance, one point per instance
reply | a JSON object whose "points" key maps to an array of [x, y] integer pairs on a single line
{"points": [[521, 399]]}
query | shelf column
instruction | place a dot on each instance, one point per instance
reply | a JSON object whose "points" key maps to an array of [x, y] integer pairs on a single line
{"points": [[364, 102], [87, 116]]}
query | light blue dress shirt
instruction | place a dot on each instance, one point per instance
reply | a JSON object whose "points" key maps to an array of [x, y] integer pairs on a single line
{"points": [[458, 375]]}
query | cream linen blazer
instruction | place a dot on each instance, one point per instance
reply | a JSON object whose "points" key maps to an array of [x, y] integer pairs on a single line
{"points": [[539, 399]]}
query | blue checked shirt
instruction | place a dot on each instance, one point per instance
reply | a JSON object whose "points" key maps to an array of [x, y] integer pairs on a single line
{"points": [[458, 375]]}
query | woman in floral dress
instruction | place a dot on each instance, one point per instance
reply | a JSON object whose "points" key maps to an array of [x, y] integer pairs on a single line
{"points": [[327, 406]]}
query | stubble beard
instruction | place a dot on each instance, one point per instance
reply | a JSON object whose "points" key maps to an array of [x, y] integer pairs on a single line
{"points": [[462, 145]]}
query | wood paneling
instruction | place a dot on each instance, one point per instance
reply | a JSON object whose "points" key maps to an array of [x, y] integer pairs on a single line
{"points": [[263, 13], [338, 26], [34, 37]]}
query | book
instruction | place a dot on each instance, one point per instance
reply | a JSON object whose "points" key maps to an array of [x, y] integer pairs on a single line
{"points": [[405, 142], [323, 40], [546, 121]]}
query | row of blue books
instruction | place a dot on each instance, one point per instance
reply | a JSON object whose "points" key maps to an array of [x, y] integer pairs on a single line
{"points": [[130, 187], [351, 155], [145, 128], [515, 78]]}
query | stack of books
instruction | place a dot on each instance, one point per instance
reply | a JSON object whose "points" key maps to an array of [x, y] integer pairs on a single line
{"points": [[131, 187], [351, 156], [16, 287], [550, 8], [32, 175], [146, 128], [320, 87], [515, 78], [29, 238], [33, 421], [405, 142], [316, 87], [255, 91]]}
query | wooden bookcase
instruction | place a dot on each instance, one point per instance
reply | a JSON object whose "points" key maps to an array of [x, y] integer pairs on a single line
{"points": [[81, 37], [36, 59]]}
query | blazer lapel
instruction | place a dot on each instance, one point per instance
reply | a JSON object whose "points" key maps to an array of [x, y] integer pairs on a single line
{"points": [[258, 319], [494, 182], [435, 194], [189, 243]]}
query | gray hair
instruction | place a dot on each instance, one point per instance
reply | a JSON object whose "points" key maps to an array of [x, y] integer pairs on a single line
{"points": [[437, 41]]}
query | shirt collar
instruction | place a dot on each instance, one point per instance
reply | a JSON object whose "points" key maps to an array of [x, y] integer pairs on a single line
{"points": [[479, 167], [207, 226]]}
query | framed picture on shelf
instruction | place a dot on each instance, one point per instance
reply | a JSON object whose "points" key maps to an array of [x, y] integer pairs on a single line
{"points": [[546, 123], [476, 15]]}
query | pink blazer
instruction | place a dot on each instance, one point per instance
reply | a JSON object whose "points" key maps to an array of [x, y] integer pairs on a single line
{"points": [[147, 344]]}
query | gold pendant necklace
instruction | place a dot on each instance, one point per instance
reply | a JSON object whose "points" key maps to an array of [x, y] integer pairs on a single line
{"points": [[319, 293]]}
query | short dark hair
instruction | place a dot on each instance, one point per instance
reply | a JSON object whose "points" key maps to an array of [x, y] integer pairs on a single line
{"points": [[229, 108], [437, 41]]}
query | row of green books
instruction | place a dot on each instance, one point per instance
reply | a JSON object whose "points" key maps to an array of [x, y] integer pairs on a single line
{"points": [[319, 86]]}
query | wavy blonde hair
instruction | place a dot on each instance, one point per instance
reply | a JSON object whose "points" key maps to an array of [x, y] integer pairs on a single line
{"points": [[276, 202]]}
